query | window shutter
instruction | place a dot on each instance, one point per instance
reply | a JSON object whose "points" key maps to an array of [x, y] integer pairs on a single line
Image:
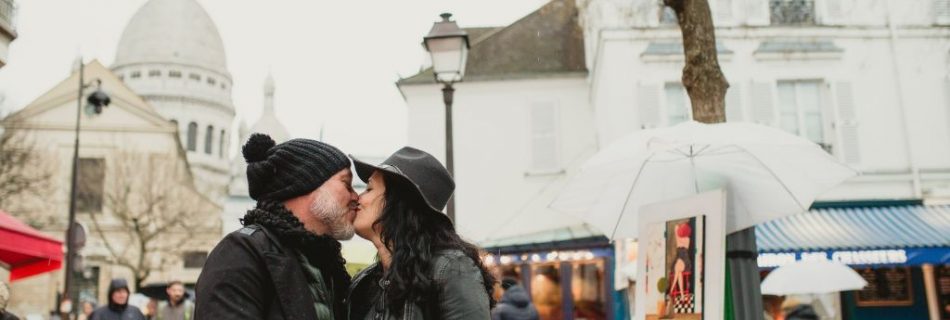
{"points": [[942, 10], [847, 123], [648, 105], [757, 12], [762, 110], [723, 12], [833, 11], [544, 153], [734, 103]]}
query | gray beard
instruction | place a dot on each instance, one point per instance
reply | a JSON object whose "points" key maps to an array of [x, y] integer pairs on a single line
{"points": [[333, 216]]}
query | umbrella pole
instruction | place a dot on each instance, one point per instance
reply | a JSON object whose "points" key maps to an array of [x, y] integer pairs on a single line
{"points": [[743, 273]]}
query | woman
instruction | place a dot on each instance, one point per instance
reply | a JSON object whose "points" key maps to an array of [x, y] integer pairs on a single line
{"points": [[424, 269]]}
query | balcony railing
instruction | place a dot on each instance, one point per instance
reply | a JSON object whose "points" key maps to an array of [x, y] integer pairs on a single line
{"points": [[792, 12], [7, 13]]}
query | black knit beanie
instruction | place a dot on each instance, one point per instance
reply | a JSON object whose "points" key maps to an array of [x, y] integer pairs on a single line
{"points": [[290, 169]]}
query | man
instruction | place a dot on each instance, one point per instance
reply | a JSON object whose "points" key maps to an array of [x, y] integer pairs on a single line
{"points": [[118, 307], [177, 307], [515, 303], [286, 262]]}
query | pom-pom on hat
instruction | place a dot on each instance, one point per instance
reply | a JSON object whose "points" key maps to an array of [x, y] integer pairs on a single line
{"points": [[279, 172]]}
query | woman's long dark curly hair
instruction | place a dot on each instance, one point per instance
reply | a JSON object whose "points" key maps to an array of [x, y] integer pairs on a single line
{"points": [[414, 234]]}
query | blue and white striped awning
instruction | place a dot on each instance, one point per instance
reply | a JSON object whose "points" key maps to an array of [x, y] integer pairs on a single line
{"points": [[859, 235], [858, 228]]}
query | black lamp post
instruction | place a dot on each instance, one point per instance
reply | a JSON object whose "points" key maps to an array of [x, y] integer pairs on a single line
{"points": [[447, 44], [94, 104]]}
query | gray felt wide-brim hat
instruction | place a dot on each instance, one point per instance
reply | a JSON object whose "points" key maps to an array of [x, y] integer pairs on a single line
{"points": [[418, 170]]}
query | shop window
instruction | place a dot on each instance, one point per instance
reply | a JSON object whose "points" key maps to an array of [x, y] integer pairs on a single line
{"points": [[546, 291], [194, 259], [587, 290]]}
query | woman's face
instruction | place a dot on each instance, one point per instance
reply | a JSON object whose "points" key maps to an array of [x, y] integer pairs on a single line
{"points": [[371, 207]]}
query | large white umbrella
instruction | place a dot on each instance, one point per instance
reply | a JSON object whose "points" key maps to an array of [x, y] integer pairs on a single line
{"points": [[767, 173], [812, 277]]}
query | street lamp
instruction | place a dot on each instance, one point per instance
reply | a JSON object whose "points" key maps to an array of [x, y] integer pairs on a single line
{"points": [[447, 44], [94, 104]]}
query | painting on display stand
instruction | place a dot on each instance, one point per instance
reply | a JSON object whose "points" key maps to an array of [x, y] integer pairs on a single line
{"points": [[682, 258]]}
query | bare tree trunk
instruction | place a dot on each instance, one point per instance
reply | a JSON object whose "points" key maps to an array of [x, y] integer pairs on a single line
{"points": [[707, 87], [702, 76]]}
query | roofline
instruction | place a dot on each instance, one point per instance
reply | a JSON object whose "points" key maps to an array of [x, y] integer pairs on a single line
{"points": [[503, 77]]}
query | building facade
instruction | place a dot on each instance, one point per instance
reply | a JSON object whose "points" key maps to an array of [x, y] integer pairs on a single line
{"points": [[172, 55], [135, 187], [867, 80], [7, 30]]}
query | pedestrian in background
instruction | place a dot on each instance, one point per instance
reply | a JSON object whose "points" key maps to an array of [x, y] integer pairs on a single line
{"points": [[515, 303], [118, 307]]}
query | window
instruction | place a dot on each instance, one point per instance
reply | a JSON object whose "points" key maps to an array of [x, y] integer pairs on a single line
{"points": [[544, 153], [211, 81], [221, 146], [192, 136], [154, 73], [667, 16], [136, 74], [174, 74], [784, 12], [677, 103], [223, 86], [799, 106], [174, 123], [194, 259], [209, 136], [92, 173], [194, 76]]}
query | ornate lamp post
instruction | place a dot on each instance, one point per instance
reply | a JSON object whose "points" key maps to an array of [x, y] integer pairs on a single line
{"points": [[448, 45], [94, 104]]}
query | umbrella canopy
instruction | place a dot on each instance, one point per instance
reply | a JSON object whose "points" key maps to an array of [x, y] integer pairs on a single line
{"points": [[27, 251], [768, 173], [812, 276]]}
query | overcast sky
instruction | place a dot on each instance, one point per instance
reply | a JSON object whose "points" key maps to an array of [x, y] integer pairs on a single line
{"points": [[334, 62]]}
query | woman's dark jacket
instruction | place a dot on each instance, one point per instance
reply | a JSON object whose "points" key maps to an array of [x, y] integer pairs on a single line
{"points": [[255, 273], [460, 292]]}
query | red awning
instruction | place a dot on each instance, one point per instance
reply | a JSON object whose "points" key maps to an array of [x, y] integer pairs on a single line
{"points": [[27, 251]]}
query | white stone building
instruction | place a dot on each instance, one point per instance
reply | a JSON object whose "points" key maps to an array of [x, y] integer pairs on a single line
{"points": [[129, 146], [7, 30], [866, 79], [172, 56]]}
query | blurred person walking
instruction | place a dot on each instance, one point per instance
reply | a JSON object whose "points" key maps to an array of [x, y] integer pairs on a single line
{"points": [[515, 303], [176, 307], [118, 307]]}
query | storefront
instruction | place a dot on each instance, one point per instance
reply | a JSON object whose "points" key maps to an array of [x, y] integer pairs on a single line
{"points": [[568, 272], [902, 249]]}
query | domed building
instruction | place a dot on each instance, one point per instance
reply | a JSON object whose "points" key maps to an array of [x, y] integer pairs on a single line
{"points": [[172, 56]]}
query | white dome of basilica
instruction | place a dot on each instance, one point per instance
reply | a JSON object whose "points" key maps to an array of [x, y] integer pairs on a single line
{"points": [[172, 31]]}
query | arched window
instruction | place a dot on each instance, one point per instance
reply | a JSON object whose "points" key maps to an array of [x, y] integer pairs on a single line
{"points": [[221, 148], [192, 136], [209, 135]]}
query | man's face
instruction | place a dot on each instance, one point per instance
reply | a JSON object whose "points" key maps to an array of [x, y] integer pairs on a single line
{"points": [[335, 205], [120, 296], [175, 292], [329, 209]]}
